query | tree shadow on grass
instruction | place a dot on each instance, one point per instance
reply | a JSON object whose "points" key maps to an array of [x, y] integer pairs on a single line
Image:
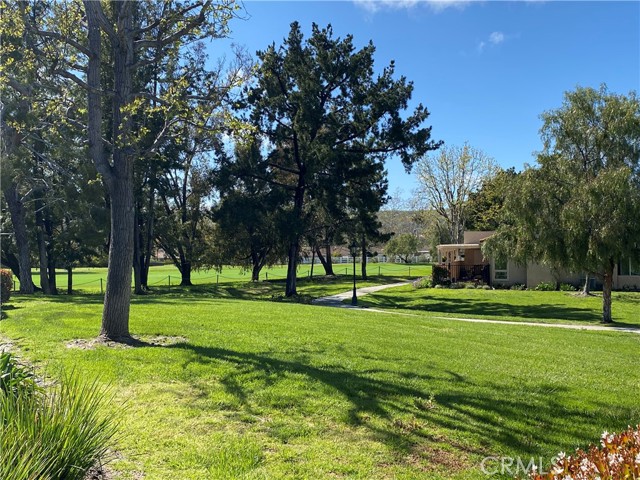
{"points": [[476, 307], [390, 405]]}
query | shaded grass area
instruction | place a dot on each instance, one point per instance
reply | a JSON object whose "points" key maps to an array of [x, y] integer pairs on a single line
{"points": [[269, 390], [546, 307]]}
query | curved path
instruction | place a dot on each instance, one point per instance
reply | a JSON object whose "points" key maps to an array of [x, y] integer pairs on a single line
{"points": [[338, 301]]}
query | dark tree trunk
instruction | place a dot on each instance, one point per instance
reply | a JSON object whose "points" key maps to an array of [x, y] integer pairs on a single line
{"points": [[16, 211], [185, 272], [586, 290], [42, 247], [51, 258], [137, 254], [329, 268], [325, 261], [115, 316], [313, 261], [364, 259], [292, 268], [606, 293], [255, 272], [8, 259], [69, 280], [148, 241], [118, 175]]}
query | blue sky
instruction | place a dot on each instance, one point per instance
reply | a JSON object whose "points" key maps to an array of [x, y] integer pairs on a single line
{"points": [[485, 70]]}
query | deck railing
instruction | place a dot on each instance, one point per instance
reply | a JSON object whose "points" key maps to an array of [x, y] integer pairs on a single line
{"points": [[468, 273]]}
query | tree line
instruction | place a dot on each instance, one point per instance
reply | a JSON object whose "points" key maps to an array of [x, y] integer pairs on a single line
{"points": [[121, 135]]}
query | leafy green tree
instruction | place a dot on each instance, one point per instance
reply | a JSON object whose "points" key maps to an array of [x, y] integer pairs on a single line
{"points": [[321, 110], [579, 208], [103, 48], [404, 246], [484, 207], [446, 181]]}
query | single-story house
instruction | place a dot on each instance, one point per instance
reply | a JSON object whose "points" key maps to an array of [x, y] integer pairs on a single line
{"points": [[465, 262]]}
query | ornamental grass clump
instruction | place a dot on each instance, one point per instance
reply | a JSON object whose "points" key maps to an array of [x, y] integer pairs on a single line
{"points": [[57, 432], [617, 458]]}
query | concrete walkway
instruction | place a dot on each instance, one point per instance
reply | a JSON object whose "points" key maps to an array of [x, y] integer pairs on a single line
{"points": [[337, 301]]}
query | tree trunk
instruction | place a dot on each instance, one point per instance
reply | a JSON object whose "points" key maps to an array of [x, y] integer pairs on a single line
{"points": [[313, 260], [51, 258], [292, 267], [326, 262], [185, 272], [606, 293], [148, 241], [69, 280], [115, 316], [586, 290], [8, 259], [364, 259], [137, 254], [42, 248], [16, 211], [255, 272], [118, 175]]}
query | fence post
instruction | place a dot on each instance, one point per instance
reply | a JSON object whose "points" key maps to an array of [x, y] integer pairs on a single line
{"points": [[378, 270], [217, 278], [101, 289], [169, 280], [345, 271], [14, 282], [266, 275], [409, 270]]}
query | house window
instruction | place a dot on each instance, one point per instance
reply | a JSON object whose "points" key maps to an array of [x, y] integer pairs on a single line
{"points": [[628, 267], [501, 271], [460, 255]]}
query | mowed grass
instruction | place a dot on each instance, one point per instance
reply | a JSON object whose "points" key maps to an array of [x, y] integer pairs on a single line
{"points": [[88, 279], [513, 305], [264, 390]]}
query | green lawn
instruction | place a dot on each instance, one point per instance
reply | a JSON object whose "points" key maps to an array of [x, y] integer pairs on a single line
{"points": [[546, 307], [88, 280], [261, 389]]}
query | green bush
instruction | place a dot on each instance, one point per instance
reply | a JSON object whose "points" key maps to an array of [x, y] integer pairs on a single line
{"points": [[423, 282], [439, 275], [57, 433], [546, 286], [567, 287], [456, 286], [6, 284], [517, 286], [15, 379]]}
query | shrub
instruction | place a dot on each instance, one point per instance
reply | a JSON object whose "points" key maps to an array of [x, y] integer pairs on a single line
{"points": [[424, 282], [6, 284], [15, 379], [439, 275], [518, 286], [469, 285], [546, 286], [618, 457], [567, 287], [456, 286], [486, 287], [58, 433]]}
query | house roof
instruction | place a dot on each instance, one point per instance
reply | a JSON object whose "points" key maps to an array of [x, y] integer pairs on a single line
{"points": [[459, 245]]}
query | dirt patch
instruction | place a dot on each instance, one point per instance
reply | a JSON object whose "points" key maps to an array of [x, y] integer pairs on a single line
{"points": [[131, 342], [430, 458]]}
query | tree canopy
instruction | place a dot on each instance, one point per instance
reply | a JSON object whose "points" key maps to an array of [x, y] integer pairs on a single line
{"points": [[579, 207]]}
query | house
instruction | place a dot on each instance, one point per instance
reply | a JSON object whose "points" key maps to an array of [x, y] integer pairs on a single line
{"points": [[465, 262]]}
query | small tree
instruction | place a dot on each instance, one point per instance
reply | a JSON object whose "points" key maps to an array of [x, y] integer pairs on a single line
{"points": [[403, 246]]}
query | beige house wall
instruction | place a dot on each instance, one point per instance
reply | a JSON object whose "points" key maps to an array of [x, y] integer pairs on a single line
{"points": [[626, 281], [515, 274]]}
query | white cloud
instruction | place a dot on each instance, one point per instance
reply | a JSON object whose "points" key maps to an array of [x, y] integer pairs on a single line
{"points": [[373, 6], [496, 37]]}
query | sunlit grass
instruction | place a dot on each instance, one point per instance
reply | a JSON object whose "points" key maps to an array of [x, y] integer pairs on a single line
{"points": [[266, 390]]}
